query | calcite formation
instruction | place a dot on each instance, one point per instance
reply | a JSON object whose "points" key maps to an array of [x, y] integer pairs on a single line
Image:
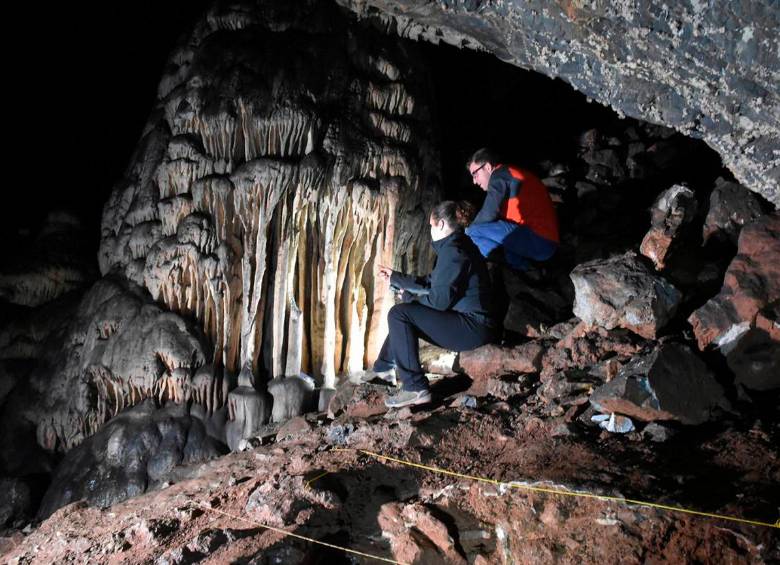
{"points": [[709, 70], [135, 451], [287, 156], [672, 211], [53, 264], [115, 349]]}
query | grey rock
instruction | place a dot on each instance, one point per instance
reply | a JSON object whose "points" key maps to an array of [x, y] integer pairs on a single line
{"points": [[658, 432], [674, 209], [656, 61], [338, 433], [138, 449], [755, 360], [15, 503], [671, 383], [731, 207], [623, 292]]}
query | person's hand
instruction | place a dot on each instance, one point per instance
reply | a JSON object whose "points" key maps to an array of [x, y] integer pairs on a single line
{"points": [[384, 273], [405, 297]]}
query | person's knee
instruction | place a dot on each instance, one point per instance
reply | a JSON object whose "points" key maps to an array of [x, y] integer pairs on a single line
{"points": [[399, 312]]}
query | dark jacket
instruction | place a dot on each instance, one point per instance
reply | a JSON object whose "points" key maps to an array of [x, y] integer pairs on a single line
{"points": [[459, 281]]}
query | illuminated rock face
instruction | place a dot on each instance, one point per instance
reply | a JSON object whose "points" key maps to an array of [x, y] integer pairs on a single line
{"points": [[287, 156], [709, 70]]}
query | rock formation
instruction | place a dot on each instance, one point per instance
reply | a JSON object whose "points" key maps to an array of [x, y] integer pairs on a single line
{"points": [[623, 292], [709, 71], [52, 265], [286, 158], [135, 451], [112, 349], [670, 383], [673, 210], [752, 282]]}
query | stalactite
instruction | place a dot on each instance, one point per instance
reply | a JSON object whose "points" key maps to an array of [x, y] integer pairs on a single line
{"points": [[275, 188]]}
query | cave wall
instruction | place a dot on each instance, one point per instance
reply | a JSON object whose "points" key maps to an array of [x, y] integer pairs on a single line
{"points": [[709, 70], [287, 156]]}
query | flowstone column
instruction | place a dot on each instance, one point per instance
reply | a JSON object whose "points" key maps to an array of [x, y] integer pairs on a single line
{"points": [[287, 157]]}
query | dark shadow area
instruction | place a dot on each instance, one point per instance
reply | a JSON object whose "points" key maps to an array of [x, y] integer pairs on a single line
{"points": [[82, 105], [359, 495]]}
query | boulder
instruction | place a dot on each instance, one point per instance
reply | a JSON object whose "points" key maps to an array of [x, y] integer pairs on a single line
{"points": [[672, 211], [623, 292], [731, 207], [755, 360], [494, 360], [671, 383], [752, 282], [534, 302], [136, 450]]}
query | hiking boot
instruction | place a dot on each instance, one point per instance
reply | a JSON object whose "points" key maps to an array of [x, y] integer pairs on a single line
{"points": [[408, 398], [388, 376]]}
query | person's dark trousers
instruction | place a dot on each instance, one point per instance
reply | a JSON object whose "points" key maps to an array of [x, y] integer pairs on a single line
{"points": [[408, 322]]}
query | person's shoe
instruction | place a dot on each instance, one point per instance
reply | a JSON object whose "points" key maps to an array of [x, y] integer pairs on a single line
{"points": [[408, 398], [387, 376]]}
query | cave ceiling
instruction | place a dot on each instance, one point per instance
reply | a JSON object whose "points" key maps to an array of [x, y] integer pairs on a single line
{"points": [[709, 70]]}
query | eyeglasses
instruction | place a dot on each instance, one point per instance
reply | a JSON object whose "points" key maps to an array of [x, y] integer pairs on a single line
{"points": [[475, 171]]}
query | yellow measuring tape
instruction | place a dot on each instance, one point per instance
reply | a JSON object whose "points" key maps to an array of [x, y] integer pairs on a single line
{"points": [[563, 492], [479, 479], [298, 536]]}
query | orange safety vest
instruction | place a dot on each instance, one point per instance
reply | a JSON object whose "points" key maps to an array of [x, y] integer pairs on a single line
{"points": [[529, 203]]}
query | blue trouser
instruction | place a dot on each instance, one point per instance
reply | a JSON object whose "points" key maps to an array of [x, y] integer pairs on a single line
{"points": [[519, 242], [408, 322]]}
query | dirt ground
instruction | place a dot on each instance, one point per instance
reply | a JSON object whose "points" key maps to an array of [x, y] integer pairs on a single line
{"points": [[316, 480]]}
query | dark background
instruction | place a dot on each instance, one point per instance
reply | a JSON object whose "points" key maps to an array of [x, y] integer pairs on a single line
{"points": [[83, 80]]}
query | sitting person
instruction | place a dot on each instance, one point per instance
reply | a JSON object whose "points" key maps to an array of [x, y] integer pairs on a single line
{"points": [[517, 215], [449, 308]]}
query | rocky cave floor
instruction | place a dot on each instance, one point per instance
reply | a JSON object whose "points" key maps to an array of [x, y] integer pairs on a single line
{"points": [[311, 476]]}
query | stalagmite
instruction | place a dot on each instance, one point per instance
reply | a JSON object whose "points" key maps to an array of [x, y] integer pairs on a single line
{"points": [[292, 397], [247, 410]]}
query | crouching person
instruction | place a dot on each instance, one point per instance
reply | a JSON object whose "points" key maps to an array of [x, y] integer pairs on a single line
{"points": [[449, 308]]}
